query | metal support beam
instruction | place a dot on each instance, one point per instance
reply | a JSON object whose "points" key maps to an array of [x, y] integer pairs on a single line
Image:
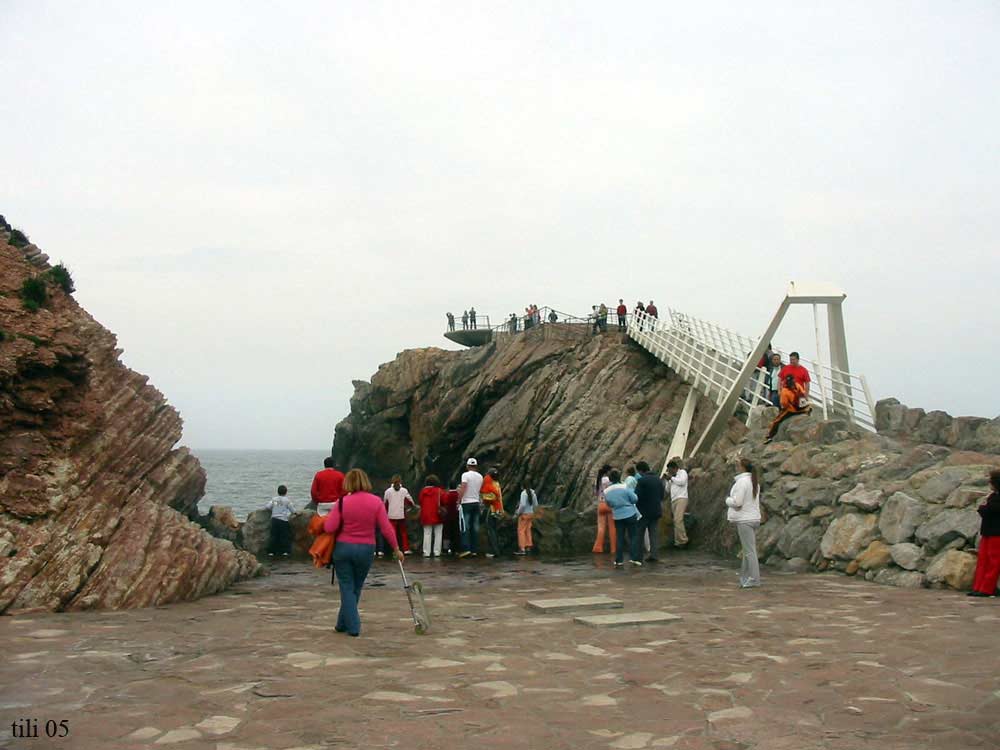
{"points": [[679, 443], [728, 405]]}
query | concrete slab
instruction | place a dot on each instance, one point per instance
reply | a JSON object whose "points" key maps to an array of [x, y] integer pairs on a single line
{"points": [[623, 619], [577, 604]]}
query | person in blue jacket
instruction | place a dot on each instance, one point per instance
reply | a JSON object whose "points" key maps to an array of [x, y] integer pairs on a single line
{"points": [[622, 501]]}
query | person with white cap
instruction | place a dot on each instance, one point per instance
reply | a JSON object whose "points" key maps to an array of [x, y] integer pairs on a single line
{"points": [[471, 507]]}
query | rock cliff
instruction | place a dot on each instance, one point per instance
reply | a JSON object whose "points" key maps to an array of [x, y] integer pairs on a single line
{"points": [[547, 407], [94, 497]]}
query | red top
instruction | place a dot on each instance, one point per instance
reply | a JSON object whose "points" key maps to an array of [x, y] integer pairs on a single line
{"points": [[327, 486], [622, 310], [430, 499], [652, 311], [798, 372], [362, 511], [451, 505]]}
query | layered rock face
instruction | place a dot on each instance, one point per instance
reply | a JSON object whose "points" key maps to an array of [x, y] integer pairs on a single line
{"points": [[94, 497], [547, 407], [892, 507]]}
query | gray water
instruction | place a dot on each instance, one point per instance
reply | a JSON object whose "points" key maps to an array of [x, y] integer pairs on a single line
{"points": [[245, 480]]}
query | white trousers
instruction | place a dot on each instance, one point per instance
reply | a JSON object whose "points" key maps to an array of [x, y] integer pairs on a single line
{"points": [[432, 539]]}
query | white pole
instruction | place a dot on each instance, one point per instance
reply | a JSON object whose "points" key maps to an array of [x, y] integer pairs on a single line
{"points": [[819, 360]]}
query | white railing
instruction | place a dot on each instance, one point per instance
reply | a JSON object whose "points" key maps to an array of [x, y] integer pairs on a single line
{"points": [[710, 357]]}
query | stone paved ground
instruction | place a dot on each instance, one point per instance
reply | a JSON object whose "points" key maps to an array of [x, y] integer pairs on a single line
{"points": [[808, 661]]}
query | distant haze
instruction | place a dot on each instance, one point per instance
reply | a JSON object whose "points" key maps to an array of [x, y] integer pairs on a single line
{"points": [[265, 201]]}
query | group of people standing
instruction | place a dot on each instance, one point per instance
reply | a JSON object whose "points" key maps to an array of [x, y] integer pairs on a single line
{"points": [[468, 320], [787, 386], [599, 315], [629, 508]]}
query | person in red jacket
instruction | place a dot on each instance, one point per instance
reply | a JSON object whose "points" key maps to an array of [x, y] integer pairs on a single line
{"points": [[622, 314], [432, 514], [328, 484], [797, 371]]}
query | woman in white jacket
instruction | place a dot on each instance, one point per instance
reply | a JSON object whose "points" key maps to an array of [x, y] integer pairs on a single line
{"points": [[744, 511]]}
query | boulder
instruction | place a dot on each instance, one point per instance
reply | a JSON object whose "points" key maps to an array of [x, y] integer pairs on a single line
{"points": [[947, 526], [954, 568], [900, 517], [877, 555], [907, 555], [797, 463], [940, 484], [987, 438], [963, 497], [796, 565], [768, 536], [799, 538], [848, 535], [862, 498], [906, 579], [255, 534]]}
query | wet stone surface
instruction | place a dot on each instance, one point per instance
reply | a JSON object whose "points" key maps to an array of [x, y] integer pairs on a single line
{"points": [[806, 661]]}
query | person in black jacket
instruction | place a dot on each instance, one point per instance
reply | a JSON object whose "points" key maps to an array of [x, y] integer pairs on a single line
{"points": [[988, 564], [649, 490]]}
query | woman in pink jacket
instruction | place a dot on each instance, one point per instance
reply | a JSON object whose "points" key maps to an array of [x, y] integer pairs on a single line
{"points": [[352, 522]]}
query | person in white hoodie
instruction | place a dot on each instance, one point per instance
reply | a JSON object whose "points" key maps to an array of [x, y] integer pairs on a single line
{"points": [[744, 511]]}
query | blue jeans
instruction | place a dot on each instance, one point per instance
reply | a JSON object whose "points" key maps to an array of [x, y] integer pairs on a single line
{"points": [[627, 528], [470, 537], [351, 562]]}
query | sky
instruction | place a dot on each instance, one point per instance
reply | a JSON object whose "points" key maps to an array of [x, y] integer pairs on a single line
{"points": [[266, 201]]}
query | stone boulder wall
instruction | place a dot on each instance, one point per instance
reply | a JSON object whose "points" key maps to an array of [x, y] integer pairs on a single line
{"points": [[547, 407], [94, 497], [837, 497]]}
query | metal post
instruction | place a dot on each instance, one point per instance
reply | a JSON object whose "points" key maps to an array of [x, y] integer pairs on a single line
{"points": [[819, 361]]}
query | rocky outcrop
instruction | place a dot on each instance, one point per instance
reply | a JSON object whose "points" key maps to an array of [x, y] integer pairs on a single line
{"points": [[94, 496], [547, 407], [879, 505]]}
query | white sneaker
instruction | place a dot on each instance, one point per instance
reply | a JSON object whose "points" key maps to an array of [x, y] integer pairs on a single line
{"points": [[636, 563], [490, 554], [408, 552]]}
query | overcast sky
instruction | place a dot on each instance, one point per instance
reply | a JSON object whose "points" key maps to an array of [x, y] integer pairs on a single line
{"points": [[265, 201]]}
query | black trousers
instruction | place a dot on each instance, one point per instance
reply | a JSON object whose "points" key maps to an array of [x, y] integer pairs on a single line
{"points": [[281, 537], [652, 525]]}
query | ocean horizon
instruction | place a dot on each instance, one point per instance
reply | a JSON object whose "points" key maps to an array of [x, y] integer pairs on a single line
{"points": [[245, 479]]}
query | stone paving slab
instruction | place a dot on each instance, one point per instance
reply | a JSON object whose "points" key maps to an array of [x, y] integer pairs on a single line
{"points": [[624, 619], [575, 604]]}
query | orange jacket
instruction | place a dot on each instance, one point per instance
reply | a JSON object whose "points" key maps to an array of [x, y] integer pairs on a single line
{"points": [[491, 495], [790, 397]]}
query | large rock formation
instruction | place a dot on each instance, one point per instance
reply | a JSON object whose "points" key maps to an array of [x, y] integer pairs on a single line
{"points": [[94, 497], [550, 405], [547, 407]]}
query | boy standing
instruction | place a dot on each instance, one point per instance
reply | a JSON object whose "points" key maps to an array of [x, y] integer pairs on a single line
{"points": [[396, 498], [281, 529]]}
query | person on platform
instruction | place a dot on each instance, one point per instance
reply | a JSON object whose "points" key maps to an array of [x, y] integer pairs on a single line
{"points": [[649, 492], [605, 519], [327, 485], [492, 498], [797, 371], [622, 312], [526, 509], [281, 528], [465, 320], [677, 480], [793, 402], [743, 505], [472, 483], [602, 317], [432, 515], [397, 499], [652, 312], [988, 562], [472, 318], [451, 321], [553, 317], [622, 502], [352, 521]]}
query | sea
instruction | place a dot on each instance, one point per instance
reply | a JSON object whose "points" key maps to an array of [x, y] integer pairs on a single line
{"points": [[246, 479]]}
